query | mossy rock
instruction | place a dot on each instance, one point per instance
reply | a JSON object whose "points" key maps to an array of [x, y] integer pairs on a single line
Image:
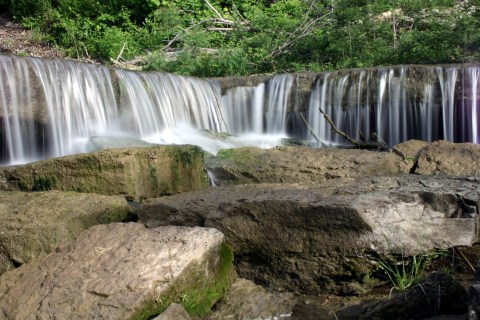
{"points": [[136, 172], [35, 224]]}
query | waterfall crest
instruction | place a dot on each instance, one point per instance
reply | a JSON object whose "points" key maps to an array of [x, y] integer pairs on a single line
{"points": [[51, 108]]}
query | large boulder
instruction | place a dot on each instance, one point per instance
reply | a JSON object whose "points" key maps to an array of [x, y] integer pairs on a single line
{"points": [[301, 164], [34, 224], [314, 238], [120, 271], [448, 158], [136, 172]]}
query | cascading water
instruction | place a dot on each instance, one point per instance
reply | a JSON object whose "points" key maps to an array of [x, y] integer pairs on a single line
{"points": [[259, 110], [397, 104], [51, 108]]}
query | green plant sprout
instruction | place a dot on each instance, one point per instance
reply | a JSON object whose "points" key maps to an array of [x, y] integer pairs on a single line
{"points": [[403, 275]]}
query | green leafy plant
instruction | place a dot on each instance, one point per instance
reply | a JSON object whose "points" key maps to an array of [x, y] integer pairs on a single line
{"points": [[404, 274]]}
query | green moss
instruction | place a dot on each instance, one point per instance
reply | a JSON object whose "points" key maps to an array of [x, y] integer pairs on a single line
{"points": [[199, 294], [24, 186], [40, 183], [240, 155], [187, 171]]}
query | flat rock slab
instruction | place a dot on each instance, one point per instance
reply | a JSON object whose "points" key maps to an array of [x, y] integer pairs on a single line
{"points": [[136, 172], [36, 223], [109, 272], [325, 237], [301, 164]]}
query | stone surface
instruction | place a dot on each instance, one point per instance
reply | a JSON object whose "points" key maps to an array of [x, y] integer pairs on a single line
{"points": [[314, 238], [174, 312], [246, 300], [300, 164], [448, 158], [136, 172], [111, 272], [409, 152], [34, 224]]}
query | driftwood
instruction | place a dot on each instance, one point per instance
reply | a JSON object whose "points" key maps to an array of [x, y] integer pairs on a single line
{"points": [[377, 144]]}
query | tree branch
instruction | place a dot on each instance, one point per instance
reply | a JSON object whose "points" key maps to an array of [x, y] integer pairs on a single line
{"points": [[380, 145]]}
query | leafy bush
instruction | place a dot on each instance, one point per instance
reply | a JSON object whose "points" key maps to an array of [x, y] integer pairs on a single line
{"points": [[218, 37]]}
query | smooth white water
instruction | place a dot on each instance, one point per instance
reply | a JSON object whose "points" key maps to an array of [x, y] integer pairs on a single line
{"points": [[386, 101], [51, 108]]}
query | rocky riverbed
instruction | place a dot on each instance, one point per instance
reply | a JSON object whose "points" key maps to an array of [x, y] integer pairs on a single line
{"points": [[124, 233]]}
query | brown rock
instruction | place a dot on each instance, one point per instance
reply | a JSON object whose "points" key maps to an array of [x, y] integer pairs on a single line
{"points": [[34, 224], [314, 238], [448, 158], [136, 172], [246, 300], [174, 312], [113, 272], [300, 164]]}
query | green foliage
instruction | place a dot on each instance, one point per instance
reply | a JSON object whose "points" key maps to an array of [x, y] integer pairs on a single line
{"points": [[257, 37], [402, 276]]}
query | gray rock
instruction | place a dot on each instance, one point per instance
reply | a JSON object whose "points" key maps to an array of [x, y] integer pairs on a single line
{"points": [[314, 238], [246, 300], [112, 272], [34, 224], [448, 158], [174, 312]]}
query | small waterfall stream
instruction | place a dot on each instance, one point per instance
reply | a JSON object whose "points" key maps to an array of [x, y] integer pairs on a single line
{"points": [[50, 108]]}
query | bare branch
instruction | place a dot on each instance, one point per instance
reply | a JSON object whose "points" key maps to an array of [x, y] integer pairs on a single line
{"points": [[307, 27], [310, 129], [119, 55], [380, 145], [218, 13]]}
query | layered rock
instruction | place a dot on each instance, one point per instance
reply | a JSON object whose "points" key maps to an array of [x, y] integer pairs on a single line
{"points": [[136, 172], [119, 271], [300, 164], [327, 237], [303, 164], [34, 224]]}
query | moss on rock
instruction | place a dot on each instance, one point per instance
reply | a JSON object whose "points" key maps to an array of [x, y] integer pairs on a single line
{"points": [[197, 290], [136, 172]]}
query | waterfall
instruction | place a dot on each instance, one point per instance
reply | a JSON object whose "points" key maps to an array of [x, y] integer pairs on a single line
{"points": [[398, 103], [51, 108], [261, 109]]}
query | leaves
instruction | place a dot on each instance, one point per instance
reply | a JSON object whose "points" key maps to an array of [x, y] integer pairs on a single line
{"points": [[241, 37]]}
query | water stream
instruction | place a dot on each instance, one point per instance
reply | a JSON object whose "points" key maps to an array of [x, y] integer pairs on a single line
{"points": [[51, 108]]}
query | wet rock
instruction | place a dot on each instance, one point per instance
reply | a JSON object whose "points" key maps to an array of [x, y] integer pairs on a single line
{"points": [[246, 300], [327, 237], [300, 164], [34, 224], [448, 158], [136, 172], [117, 271]]}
